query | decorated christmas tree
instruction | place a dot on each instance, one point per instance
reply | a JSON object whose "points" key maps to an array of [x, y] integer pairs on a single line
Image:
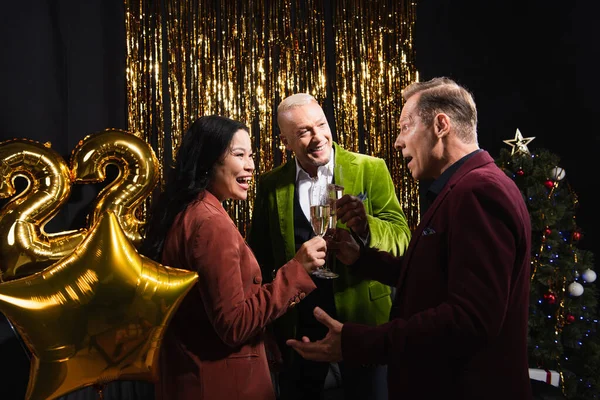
{"points": [[563, 313]]}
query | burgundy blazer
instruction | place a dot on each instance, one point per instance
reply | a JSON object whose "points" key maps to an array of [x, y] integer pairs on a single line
{"points": [[458, 328], [214, 345]]}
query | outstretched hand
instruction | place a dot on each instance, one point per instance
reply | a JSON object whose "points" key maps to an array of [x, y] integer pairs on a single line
{"points": [[328, 349]]}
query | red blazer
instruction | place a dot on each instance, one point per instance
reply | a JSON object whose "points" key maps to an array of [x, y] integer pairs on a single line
{"points": [[213, 347], [458, 328]]}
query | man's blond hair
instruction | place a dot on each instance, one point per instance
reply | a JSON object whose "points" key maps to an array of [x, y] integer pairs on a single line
{"points": [[295, 100]]}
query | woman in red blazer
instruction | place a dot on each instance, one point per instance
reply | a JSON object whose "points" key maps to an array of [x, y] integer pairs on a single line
{"points": [[214, 345]]}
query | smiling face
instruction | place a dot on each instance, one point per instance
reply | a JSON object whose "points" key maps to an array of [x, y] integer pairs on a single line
{"points": [[418, 142], [305, 131], [233, 173]]}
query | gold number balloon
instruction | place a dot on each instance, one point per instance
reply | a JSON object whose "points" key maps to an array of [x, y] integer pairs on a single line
{"points": [[24, 245], [96, 316], [138, 174]]}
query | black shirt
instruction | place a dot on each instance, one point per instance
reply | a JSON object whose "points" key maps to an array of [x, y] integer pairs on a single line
{"points": [[436, 186]]}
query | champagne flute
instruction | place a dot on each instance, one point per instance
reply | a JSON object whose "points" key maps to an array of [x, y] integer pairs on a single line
{"points": [[335, 191], [320, 219]]}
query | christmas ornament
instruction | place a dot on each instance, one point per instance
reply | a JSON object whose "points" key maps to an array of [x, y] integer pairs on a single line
{"points": [[519, 144], [570, 319], [550, 298], [95, 316], [589, 275], [547, 231], [25, 247], [520, 172], [549, 184], [138, 174], [575, 289], [557, 173], [576, 235]]}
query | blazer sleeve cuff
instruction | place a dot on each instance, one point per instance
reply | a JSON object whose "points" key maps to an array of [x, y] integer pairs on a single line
{"points": [[294, 275], [364, 345]]}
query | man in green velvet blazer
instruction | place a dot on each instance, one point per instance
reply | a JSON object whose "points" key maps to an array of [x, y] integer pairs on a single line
{"points": [[280, 224]]}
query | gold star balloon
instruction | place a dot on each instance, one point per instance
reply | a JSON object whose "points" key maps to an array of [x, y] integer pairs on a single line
{"points": [[95, 316], [519, 143]]}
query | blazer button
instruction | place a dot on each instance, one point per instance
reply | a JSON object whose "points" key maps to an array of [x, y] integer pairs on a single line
{"points": [[302, 295], [257, 279], [292, 304]]}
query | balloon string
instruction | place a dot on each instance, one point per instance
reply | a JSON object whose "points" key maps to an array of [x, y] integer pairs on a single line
{"points": [[19, 339], [100, 391]]}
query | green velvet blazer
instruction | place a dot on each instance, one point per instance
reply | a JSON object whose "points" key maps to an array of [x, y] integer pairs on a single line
{"points": [[271, 234]]}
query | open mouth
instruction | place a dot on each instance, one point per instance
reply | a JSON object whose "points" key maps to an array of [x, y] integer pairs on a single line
{"points": [[408, 159], [245, 180], [318, 149]]}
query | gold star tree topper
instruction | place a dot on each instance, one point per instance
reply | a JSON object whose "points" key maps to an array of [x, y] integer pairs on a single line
{"points": [[95, 316], [519, 143]]}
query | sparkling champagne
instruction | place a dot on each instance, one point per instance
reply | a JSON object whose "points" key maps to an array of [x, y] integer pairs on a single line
{"points": [[319, 218], [335, 192]]}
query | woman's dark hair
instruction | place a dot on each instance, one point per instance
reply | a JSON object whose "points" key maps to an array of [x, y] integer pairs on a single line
{"points": [[202, 147]]}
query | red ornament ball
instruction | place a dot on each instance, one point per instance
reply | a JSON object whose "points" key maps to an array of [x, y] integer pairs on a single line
{"points": [[576, 235], [549, 184], [550, 298], [570, 319], [520, 172], [547, 231]]}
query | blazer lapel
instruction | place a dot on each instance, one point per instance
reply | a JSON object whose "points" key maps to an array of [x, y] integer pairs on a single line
{"points": [[419, 231], [284, 199], [347, 162], [474, 162]]}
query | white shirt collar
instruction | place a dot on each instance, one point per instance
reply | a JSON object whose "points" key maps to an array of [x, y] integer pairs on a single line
{"points": [[322, 171], [304, 182]]}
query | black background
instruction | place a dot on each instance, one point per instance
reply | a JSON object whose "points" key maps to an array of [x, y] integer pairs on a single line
{"points": [[530, 64]]}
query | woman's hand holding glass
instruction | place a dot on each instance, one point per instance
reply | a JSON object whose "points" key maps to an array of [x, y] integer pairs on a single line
{"points": [[312, 254]]}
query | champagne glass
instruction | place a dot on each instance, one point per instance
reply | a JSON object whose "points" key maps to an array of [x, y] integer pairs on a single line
{"points": [[335, 191], [320, 219]]}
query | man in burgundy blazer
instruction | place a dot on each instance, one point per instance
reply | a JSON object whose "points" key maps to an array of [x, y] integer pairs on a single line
{"points": [[458, 327]]}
